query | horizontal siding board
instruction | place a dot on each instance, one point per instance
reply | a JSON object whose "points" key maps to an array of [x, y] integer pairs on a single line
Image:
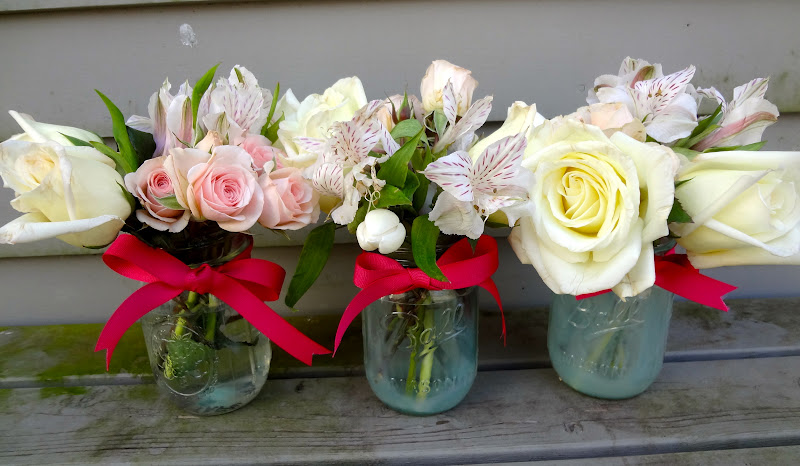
{"points": [[545, 51]]}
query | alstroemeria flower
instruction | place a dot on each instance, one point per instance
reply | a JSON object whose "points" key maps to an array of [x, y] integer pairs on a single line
{"points": [[743, 119], [664, 104], [344, 168], [461, 133], [473, 192], [156, 124], [236, 107]]}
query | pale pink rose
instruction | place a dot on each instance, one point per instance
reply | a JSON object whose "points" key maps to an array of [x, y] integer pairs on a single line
{"points": [[262, 151], [149, 183], [611, 118], [290, 203], [225, 189]]}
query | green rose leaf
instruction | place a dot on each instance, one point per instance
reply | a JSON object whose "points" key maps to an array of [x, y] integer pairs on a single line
{"points": [[313, 257], [424, 235], [678, 215], [128, 159], [143, 144]]}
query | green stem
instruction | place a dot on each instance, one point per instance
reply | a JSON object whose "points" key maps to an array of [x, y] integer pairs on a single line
{"points": [[426, 368], [412, 360], [182, 324], [211, 318]]}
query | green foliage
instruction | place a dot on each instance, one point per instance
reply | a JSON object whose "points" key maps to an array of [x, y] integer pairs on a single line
{"points": [[143, 144], [170, 202], [421, 193], [127, 160], [115, 156], [750, 147], [313, 257], [361, 213], [678, 215], [200, 88], [439, 122], [406, 129], [271, 133], [265, 130], [75, 141], [394, 170], [688, 153], [424, 235], [391, 196], [703, 129]]}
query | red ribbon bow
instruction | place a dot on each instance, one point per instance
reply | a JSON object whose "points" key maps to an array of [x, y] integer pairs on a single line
{"points": [[380, 276], [676, 274], [243, 283]]}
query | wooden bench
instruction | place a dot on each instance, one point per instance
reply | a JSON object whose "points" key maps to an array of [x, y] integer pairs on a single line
{"points": [[729, 393]]}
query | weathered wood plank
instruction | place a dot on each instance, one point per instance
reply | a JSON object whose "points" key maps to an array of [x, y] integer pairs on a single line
{"points": [[63, 354], [520, 415], [737, 457]]}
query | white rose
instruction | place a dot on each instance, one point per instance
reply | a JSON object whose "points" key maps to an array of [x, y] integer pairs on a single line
{"points": [[745, 207], [599, 203], [72, 193], [312, 117], [43, 132], [381, 230], [436, 77], [521, 118]]}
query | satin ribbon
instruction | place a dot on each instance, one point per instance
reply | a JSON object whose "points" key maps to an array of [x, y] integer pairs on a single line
{"points": [[676, 274], [243, 283], [379, 276]]}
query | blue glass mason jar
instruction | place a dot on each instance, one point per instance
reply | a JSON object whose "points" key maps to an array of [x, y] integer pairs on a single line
{"points": [[606, 347], [421, 347]]}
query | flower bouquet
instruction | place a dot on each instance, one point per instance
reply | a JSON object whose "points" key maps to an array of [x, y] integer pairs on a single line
{"points": [[397, 173], [185, 183], [617, 184]]}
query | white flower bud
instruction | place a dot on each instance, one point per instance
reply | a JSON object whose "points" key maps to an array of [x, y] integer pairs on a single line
{"points": [[381, 230]]}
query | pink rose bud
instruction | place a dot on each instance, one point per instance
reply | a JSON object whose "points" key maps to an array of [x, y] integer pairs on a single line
{"points": [[290, 203], [262, 151], [225, 190], [150, 183]]}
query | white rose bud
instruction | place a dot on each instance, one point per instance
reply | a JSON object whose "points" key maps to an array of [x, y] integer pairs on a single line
{"points": [[436, 77], [381, 230]]}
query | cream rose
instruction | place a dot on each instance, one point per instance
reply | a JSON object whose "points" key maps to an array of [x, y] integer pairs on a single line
{"points": [[436, 78], [290, 202], [611, 118], [599, 202], [521, 118], [745, 207], [314, 116], [43, 132], [71, 193]]}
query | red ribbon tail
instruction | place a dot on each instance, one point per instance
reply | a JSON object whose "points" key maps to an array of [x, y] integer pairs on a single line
{"points": [[266, 320], [491, 287], [686, 281], [132, 309], [373, 292]]}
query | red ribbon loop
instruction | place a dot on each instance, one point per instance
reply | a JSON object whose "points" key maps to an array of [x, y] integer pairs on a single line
{"points": [[676, 274], [380, 276], [243, 283]]}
